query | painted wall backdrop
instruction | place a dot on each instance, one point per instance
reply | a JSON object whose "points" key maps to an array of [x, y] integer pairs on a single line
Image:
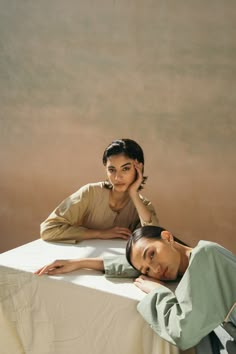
{"points": [[74, 75]]}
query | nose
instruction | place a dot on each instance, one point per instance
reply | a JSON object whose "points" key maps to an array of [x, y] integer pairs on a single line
{"points": [[117, 176], [155, 268]]}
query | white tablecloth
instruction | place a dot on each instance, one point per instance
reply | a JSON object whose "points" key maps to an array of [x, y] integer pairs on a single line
{"points": [[82, 312]]}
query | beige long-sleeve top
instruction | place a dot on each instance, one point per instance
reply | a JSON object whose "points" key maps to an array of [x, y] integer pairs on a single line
{"points": [[88, 208]]}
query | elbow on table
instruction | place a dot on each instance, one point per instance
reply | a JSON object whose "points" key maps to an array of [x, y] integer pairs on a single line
{"points": [[47, 234]]}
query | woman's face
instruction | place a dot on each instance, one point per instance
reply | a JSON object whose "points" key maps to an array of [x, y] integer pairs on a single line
{"points": [[157, 258], [121, 172]]}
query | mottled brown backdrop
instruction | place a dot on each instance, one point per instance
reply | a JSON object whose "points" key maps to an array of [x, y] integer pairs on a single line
{"points": [[75, 75]]}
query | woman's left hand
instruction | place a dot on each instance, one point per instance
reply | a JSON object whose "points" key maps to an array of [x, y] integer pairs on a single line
{"points": [[133, 188], [147, 284]]}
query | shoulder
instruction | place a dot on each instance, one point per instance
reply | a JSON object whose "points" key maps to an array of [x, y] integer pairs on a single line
{"points": [[208, 249], [205, 247], [209, 246], [89, 189], [97, 188]]}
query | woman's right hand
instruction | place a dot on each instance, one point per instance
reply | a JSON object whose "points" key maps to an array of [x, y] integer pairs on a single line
{"points": [[59, 267], [116, 232], [147, 284]]}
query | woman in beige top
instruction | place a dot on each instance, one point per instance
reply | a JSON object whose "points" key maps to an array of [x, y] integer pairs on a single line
{"points": [[105, 210]]}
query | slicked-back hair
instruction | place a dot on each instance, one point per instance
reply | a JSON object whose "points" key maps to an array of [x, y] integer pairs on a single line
{"points": [[148, 232]]}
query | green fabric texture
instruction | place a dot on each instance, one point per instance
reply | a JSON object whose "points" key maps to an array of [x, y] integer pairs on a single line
{"points": [[118, 267], [201, 301]]}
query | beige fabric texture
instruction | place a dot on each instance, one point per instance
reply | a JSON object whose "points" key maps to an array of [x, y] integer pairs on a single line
{"points": [[88, 208]]}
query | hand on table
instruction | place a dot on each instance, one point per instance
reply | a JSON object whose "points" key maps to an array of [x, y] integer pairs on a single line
{"points": [[59, 267], [147, 284], [116, 232]]}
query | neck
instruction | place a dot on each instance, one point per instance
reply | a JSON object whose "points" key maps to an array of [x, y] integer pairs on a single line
{"points": [[118, 200], [184, 257], [118, 197]]}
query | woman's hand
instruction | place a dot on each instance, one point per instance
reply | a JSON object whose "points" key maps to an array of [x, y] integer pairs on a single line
{"points": [[145, 215], [147, 284], [116, 232], [69, 265], [133, 188], [59, 267]]}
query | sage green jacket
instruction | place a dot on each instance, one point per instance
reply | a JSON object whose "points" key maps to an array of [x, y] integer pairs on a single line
{"points": [[204, 297], [202, 300]]}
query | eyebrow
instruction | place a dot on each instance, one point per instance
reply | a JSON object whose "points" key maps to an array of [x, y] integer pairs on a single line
{"points": [[126, 164]]}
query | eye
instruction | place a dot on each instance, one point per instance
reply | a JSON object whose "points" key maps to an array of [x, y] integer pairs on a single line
{"points": [[126, 168], [111, 170], [151, 255]]}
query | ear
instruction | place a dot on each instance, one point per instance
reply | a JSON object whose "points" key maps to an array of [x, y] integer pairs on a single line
{"points": [[166, 235]]}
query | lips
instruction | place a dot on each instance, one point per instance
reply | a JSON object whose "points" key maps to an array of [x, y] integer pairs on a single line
{"points": [[165, 272]]}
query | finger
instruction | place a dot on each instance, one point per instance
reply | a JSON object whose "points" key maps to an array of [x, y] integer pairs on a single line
{"points": [[140, 173], [55, 271], [138, 165], [139, 280], [122, 236], [51, 271], [38, 271], [144, 277], [126, 235], [44, 270], [125, 231], [47, 268], [138, 285]]}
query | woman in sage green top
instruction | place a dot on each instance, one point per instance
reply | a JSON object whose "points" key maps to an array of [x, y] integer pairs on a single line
{"points": [[111, 209], [205, 295]]}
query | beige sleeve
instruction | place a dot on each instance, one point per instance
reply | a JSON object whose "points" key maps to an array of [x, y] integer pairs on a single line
{"points": [[154, 219], [64, 223]]}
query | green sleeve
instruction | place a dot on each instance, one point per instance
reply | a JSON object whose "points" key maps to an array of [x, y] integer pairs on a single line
{"points": [[201, 301], [118, 267]]}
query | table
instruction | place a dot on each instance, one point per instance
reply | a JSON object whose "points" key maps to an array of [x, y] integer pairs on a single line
{"points": [[82, 312]]}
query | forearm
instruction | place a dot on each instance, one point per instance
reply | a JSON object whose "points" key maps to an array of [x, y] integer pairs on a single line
{"points": [[69, 265], [144, 213], [91, 263], [66, 232]]}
